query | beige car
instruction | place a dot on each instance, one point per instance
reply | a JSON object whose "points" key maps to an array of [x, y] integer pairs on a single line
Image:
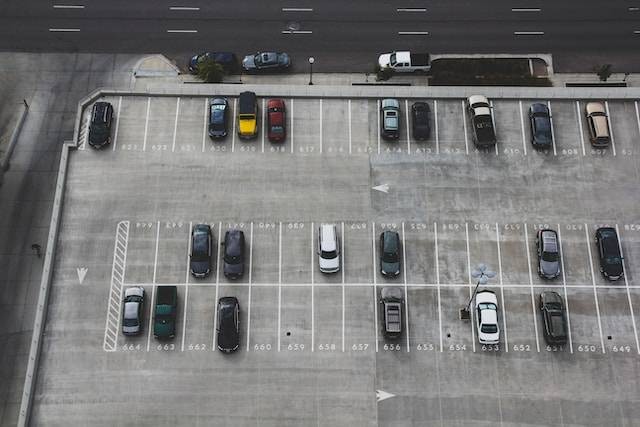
{"points": [[598, 124]]}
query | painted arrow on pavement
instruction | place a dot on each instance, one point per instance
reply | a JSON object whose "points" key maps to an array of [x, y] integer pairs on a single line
{"points": [[82, 272], [384, 188], [383, 395]]}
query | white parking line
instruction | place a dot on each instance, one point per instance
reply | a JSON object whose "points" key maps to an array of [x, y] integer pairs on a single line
{"points": [[175, 125], [564, 288], [115, 132], [182, 31], [466, 137], [375, 292], [406, 111], [291, 125], [150, 323], [413, 33], [263, 122], [279, 280], [215, 303], [204, 127], [320, 125], [504, 312], [378, 126], [553, 135], [411, 9], [186, 288], [437, 262], [153, 292], [249, 296], [613, 142], [469, 283], [233, 134], [217, 252], [522, 9], [593, 282], [313, 344], [406, 294], [435, 122], [524, 139], [495, 128], [626, 284], [146, 125], [533, 300], [579, 114], [349, 109], [343, 267], [637, 116], [118, 269], [528, 33]]}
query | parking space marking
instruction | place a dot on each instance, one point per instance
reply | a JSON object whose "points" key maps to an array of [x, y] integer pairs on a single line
{"points": [[584, 152], [250, 286], [435, 233], [263, 120], [217, 254], [175, 125], [406, 294], [115, 132], [553, 135], [112, 326], [186, 282], [153, 292], [564, 288], [524, 141], [349, 114], [378, 119], [593, 282], [533, 300], [204, 127], [435, 123], [320, 125], [469, 283], [217, 285], [406, 110], [375, 284], [313, 343], [233, 134], [504, 313], [626, 284], [613, 142], [291, 124], [637, 115], [146, 125], [342, 262], [495, 129], [464, 122], [279, 281]]}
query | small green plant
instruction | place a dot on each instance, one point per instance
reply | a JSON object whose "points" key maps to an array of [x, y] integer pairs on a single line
{"points": [[604, 71], [382, 74], [209, 71]]}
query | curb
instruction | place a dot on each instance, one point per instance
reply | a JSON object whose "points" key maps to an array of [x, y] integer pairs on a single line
{"points": [[4, 165]]}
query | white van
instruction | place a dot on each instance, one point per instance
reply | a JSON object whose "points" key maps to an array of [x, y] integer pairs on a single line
{"points": [[328, 248]]}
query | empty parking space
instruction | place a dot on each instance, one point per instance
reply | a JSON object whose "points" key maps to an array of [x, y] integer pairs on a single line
{"points": [[566, 129], [424, 315], [518, 246], [197, 319], [617, 325], [189, 130], [307, 126], [452, 138], [335, 127], [162, 113], [420, 252], [624, 127], [357, 252], [298, 252], [585, 323], [510, 130], [141, 250], [328, 312], [262, 319], [363, 130], [265, 252], [173, 251], [575, 240], [360, 319], [521, 327], [133, 128], [296, 320]]}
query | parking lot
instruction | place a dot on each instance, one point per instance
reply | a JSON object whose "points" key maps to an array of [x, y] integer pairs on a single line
{"points": [[311, 349]]}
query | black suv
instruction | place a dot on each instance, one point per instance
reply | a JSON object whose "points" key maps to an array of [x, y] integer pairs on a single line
{"points": [[553, 317], [100, 126], [200, 256], [228, 328], [609, 253], [391, 300], [234, 254]]}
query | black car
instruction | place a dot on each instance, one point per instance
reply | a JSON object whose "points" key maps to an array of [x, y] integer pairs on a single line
{"points": [[228, 61], [553, 317], [609, 253], [540, 121], [266, 61], [420, 120], [218, 117], [389, 253], [100, 126], [233, 254], [200, 257], [228, 324], [548, 249], [391, 300]]}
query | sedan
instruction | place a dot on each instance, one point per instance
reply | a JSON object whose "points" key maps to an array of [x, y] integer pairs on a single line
{"points": [[553, 317], [391, 300], [390, 116], [228, 61], [389, 253], [132, 310], [233, 254], [548, 254], [609, 253], [228, 324], [276, 120], [200, 256], [266, 61], [218, 117], [487, 317], [420, 120], [540, 122]]}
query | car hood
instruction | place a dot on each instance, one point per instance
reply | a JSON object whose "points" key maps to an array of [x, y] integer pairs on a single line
{"points": [[249, 62], [163, 327], [235, 269], [550, 268], [613, 270], [390, 268], [228, 340], [98, 134], [329, 264], [489, 338], [199, 267], [383, 60]]}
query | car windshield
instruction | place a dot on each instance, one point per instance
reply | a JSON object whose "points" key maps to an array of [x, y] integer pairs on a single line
{"points": [[550, 256], [542, 124], [614, 260], [554, 306], [389, 257], [328, 254], [277, 129], [489, 329], [232, 259], [487, 306], [99, 127], [130, 322]]}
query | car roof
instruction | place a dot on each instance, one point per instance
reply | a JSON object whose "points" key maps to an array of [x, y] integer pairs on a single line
{"points": [[219, 101], [134, 291], [275, 102], [390, 240], [232, 242], [228, 301], [421, 106], [328, 237], [201, 228], [131, 310], [490, 317]]}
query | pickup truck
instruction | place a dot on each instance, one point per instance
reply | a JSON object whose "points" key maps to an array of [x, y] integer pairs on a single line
{"points": [[482, 124], [247, 115], [164, 317], [405, 62]]}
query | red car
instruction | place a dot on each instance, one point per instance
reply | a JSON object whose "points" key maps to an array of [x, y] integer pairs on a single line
{"points": [[276, 120]]}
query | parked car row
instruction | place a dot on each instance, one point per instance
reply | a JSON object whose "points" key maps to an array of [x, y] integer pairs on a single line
{"points": [[256, 62]]}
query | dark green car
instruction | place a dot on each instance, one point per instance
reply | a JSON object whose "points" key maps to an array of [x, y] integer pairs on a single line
{"points": [[390, 253], [164, 316]]}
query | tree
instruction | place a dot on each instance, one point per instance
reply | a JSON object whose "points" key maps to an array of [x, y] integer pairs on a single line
{"points": [[604, 72], [210, 71]]}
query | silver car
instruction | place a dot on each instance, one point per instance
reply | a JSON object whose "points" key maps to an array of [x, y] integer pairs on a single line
{"points": [[390, 112], [132, 310], [548, 254]]}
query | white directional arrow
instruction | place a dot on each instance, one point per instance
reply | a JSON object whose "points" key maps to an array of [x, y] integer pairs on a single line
{"points": [[82, 272], [384, 188], [383, 395]]}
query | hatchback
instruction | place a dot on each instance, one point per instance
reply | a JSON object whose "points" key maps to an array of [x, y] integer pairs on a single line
{"points": [[548, 254], [100, 126], [276, 120], [553, 317], [540, 122], [609, 253], [233, 254], [420, 120], [218, 117], [598, 124], [389, 253], [228, 324], [200, 256]]}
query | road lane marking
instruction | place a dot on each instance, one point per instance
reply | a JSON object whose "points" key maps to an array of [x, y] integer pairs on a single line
{"points": [[553, 134], [564, 288], [584, 152], [613, 142], [504, 313], [528, 33], [523, 9], [533, 300], [406, 294], [115, 132], [297, 9], [68, 6], [146, 125], [175, 125], [593, 282], [250, 286], [297, 32], [413, 33], [186, 290], [626, 284], [411, 9], [435, 231], [183, 8], [182, 31], [64, 30]]}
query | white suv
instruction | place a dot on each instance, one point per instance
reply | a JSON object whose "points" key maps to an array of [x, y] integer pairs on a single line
{"points": [[487, 317], [328, 248]]}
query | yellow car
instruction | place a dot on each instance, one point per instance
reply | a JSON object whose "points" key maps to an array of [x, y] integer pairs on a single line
{"points": [[247, 115]]}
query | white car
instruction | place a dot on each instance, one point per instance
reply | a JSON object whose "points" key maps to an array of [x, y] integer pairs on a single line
{"points": [[328, 248], [487, 317]]}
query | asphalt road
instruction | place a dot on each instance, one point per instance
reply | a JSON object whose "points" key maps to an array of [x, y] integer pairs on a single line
{"points": [[342, 36]]}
